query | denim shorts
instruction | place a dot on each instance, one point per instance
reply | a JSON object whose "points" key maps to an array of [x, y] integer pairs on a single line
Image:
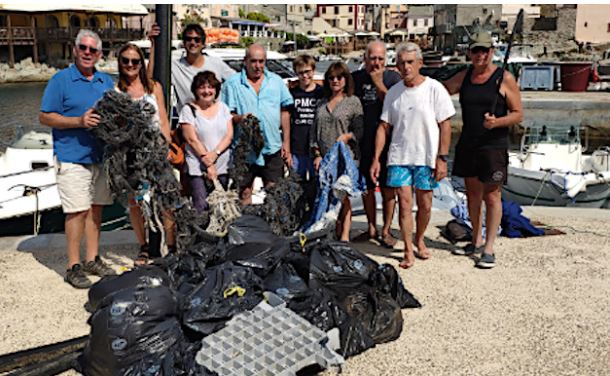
{"points": [[421, 177]]}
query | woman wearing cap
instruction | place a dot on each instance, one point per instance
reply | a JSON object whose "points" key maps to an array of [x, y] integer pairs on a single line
{"points": [[481, 156]]}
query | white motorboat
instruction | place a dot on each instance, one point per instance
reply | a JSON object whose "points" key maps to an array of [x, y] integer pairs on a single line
{"points": [[29, 200], [551, 170]]}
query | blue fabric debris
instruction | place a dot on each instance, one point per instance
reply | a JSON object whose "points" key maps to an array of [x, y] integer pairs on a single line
{"points": [[515, 224]]}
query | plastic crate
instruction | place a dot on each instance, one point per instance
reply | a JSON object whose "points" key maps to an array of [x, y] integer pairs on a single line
{"points": [[538, 77]]}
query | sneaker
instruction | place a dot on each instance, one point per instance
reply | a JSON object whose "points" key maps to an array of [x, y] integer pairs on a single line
{"points": [[468, 250], [77, 278], [487, 261], [97, 267]]}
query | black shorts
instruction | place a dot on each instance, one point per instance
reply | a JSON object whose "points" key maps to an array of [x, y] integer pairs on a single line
{"points": [[365, 169], [272, 171], [489, 165]]}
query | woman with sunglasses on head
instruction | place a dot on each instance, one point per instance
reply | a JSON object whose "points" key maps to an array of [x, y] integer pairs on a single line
{"points": [[133, 80], [207, 127], [481, 156], [339, 118]]}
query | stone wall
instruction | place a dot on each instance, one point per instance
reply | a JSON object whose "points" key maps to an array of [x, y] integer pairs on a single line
{"points": [[561, 39]]}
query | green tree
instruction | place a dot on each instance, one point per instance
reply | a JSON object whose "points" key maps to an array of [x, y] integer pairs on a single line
{"points": [[242, 14], [256, 16], [193, 18], [302, 40], [246, 41]]}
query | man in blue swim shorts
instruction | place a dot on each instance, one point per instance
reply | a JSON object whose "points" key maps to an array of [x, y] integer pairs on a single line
{"points": [[418, 110]]}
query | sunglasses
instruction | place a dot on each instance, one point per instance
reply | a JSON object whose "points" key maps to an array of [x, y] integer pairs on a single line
{"points": [[338, 78], [194, 39], [84, 48], [477, 50], [126, 61]]}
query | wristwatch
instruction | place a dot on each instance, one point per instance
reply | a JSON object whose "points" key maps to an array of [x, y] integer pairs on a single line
{"points": [[443, 157], [217, 152]]}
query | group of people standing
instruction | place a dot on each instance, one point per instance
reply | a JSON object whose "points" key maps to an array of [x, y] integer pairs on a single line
{"points": [[396, 125]]}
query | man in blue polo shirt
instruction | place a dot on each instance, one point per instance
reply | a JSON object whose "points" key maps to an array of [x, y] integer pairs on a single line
{"points": [[67, 107], [263, 94]]}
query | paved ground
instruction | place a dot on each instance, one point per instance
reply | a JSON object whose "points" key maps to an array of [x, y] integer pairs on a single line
{"points": [[542, 311]]}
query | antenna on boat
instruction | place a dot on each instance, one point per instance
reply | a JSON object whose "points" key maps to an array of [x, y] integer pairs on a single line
{"points": [[517, 29]]}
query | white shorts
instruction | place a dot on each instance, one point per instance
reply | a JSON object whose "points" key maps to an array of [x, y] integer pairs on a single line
{"points": [[81, 185]]}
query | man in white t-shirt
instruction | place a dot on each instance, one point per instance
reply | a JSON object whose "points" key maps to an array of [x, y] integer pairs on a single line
{"points": [[418, 109]]}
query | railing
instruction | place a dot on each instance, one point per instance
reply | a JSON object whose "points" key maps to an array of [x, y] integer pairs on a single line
{"points": [[19, 35], [69, 34]]}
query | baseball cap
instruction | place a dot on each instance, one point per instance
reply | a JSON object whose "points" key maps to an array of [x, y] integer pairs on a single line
{"points": [[481, 39]]}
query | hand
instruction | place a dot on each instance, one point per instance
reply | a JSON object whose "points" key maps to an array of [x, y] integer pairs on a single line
{"points": [[154, 32], [240, 118], [440, 172], [212, 173], [209, 158], [90, 119], [345, 137], [490, 121], [377, 76], [286, 155], [374, 170], [316, 163]]}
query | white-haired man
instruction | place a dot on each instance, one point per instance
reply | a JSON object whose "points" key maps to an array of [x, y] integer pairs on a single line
{"points": [[371, 85], [67, 107], [418, 110]]}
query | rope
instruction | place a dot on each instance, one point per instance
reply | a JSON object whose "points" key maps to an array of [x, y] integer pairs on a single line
{"points": [[547, 173]]}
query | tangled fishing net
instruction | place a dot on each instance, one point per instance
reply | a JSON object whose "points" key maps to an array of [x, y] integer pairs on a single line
{"points": [[249, 144]]}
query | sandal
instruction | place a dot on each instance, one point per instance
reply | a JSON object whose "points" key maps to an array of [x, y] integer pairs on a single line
{"points": [[143, 257], [387, 241]]}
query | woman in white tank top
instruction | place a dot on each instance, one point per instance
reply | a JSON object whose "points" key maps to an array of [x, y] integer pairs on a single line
{"points": [[134, 81]]}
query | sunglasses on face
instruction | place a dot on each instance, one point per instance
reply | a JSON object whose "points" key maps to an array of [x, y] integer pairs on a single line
{"points": [[126, 61], [338, 78], [477, 50], [194, 39], [84, 48]]}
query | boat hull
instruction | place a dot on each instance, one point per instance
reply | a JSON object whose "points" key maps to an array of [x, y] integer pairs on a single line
{"points": [[535, 188]]}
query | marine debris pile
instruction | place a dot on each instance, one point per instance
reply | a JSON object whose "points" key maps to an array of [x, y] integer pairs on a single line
{"points": [[155, 319]]}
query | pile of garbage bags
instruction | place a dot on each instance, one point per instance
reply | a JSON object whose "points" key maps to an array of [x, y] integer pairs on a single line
{"points": [[150, 321]]}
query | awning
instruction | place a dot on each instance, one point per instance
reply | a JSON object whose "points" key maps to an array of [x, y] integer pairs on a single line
{"points": [[128, 8], [366, 34], [401, 32]]}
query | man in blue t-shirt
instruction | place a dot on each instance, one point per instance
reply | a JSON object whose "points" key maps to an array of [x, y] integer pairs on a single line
{"points": [[67, 107], [262, 93], [371, 85]]}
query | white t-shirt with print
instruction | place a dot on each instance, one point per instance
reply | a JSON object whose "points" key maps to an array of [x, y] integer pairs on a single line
{"points": [[414, 113]]}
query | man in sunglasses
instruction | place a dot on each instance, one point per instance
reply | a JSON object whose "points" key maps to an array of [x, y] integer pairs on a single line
{"points": [[371, 85], [195, 61], [67, 107], [481, 156]]}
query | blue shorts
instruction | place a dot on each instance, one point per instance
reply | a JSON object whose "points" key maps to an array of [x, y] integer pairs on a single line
{"points": [[422, 177]]}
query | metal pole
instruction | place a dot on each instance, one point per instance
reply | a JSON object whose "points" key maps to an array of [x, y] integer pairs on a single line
{"points": [[162, 69]]}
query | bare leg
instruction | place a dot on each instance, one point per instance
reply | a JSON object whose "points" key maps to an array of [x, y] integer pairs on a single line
{"points": [[137, 222], [424, 208], [389, 204], [75, 229], [169, 225], [345, 216], [93, 225], [246, 196], [370, 209], [493, 217], [474, 192], [405, 205]]}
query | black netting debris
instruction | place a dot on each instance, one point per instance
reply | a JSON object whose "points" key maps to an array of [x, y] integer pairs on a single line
{"points": [[284, 206], [249, 144]]}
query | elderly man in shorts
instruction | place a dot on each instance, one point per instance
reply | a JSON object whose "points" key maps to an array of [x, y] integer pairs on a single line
{"points": [[67, 107], [418, 109]]}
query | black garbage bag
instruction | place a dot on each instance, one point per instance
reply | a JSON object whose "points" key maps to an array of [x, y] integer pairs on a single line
{"points": [[340, 268], [227, 289], [250, 229], [261, 257], [353, 337], [388, 281], [131, 333], [141, 277], [184, 363], [378, 313], [286, 283]]}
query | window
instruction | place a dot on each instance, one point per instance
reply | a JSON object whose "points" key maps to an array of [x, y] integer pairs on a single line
{"points": [[323, 9], [425, 22], [74, 21], [586, 24], [292, 8], [609, 27], [350, 9], [336, 10], [350, 21]]}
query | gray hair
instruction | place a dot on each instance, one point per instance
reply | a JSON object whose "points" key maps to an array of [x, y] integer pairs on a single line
{"points": [[371, 43], [409, 47], [88, 33]]}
